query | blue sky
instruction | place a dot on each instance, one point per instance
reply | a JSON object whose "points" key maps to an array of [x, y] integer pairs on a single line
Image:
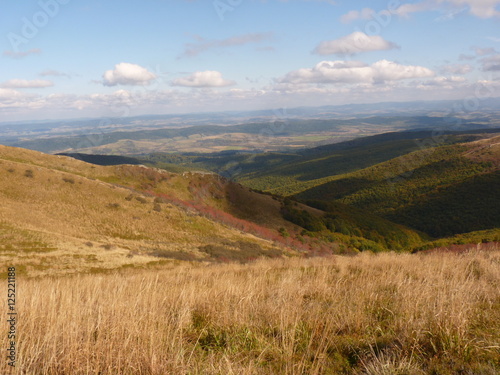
{"points": [[73, 58]]}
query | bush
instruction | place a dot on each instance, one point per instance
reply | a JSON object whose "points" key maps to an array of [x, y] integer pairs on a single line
{"points": [[284, 232], [141, 199], [29, 173], [68, 180]]}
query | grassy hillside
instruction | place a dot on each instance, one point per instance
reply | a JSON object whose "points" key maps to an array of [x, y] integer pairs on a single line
{"points": [[441, 191], [64, 215], [412, 178], [325, 229], [413, 314]]}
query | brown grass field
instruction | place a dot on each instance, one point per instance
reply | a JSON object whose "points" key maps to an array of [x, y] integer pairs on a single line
{"points": [[426, 313]]}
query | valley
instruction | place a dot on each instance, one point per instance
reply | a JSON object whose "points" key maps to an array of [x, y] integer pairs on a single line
{"points": [[326, 259]]}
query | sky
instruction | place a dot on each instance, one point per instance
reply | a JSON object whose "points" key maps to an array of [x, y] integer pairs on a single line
{"points": [[62, 59]]}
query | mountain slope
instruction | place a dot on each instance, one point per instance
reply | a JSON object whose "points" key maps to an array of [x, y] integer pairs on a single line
{"points": [[441, 191], [65, 215], [292, 172]]}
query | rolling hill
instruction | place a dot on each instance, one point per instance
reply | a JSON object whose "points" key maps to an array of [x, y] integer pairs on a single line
{"points": [[440, 184], [65, 215], [441, 191], [68, 216]]}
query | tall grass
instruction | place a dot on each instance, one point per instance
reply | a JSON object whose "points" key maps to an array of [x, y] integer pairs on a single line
{"points": [[433, 313]]}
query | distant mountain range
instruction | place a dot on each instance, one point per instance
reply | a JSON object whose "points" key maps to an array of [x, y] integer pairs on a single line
{"points": [[452, 114]]}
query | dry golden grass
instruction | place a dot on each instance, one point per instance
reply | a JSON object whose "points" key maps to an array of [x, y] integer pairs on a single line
{"points": [[67, 216], [430, 313]]}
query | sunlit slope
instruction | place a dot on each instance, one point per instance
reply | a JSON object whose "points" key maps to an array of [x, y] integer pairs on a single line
{"points": [[66, 215]]}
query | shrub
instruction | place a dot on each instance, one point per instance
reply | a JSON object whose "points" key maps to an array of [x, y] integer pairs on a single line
{"points": [[141, 199], [284, 232], [28, 173]]}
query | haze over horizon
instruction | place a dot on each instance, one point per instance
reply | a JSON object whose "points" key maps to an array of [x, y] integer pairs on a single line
{"points": [[68, 59]]}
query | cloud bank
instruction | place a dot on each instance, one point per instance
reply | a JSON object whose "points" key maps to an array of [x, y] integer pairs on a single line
{"points": [[355, 72], [26, 84]]}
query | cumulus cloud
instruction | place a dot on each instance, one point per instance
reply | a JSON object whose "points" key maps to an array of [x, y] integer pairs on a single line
{"points": [[26, 84], [128, 74], [353, 15], [354, 43], [455, 69], [355, 72], [20, 55], [209, 78], [202, 45]]}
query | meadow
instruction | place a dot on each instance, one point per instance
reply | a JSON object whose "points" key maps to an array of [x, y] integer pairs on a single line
{"points": [[386, 313]]}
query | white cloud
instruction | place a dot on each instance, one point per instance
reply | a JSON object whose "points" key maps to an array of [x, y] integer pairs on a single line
{"points": [[25, 84], [354, 43], [8, 94], [128, 74], [202, 45], [209, 78], [355, 72], [455, 69], [20, 55], [353, 15]]}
